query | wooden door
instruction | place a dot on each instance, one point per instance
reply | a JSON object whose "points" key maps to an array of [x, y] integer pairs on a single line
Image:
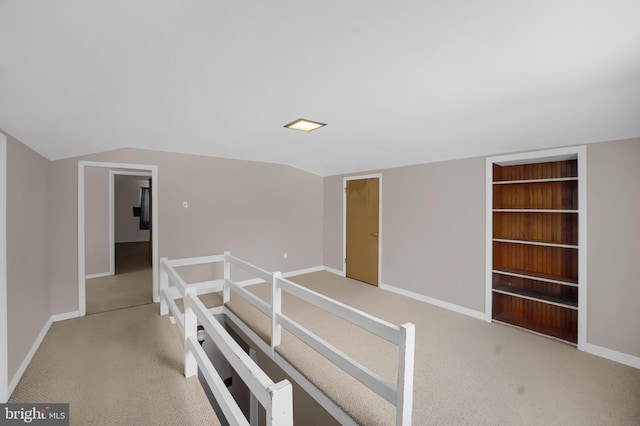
{"points": [[362, 202]]}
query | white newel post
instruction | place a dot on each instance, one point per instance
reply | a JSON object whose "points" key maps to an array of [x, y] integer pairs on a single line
{"points": [[253, 401], [276, 309], [406, 349], [190, 330], [164, 284], [226, 293], [280, 411]]}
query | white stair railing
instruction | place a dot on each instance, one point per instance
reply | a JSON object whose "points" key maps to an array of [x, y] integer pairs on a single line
{"points": [[399, 394], [276, 398]]}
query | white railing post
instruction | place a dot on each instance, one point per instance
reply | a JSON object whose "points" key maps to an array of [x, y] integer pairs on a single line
{"points": [[226, 293], [164, 283], [190, 330], [276, 309], [280, 411], [406, 349], [253, 401]]}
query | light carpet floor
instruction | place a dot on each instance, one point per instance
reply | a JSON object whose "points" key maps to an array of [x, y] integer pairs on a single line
{"points": [[467, 372], [116, 368], [131, 285], [125, 367]]}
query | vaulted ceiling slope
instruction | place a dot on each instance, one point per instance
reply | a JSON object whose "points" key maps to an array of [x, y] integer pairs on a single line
{"points": [[398, 82]]}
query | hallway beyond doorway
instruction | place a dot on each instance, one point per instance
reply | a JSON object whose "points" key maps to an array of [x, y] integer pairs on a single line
{"points": [[130, 286]]}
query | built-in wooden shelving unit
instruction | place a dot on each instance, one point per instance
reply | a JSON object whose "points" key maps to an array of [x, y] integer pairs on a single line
{"points": [[534, 245]]}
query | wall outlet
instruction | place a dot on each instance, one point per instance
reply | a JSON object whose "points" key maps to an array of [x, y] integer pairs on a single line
{"points": [[185, 204]]}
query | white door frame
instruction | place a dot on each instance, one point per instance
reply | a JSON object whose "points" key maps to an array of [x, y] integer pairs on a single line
{"points": [[4, 327], [344, 221], [126, 168], [112, 213]]}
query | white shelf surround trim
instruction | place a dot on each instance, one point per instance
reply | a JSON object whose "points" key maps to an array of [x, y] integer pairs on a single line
{"points": [[509, 182], [534, 243], [535, 299], [532, 277], [533, 211], [575, 152]]}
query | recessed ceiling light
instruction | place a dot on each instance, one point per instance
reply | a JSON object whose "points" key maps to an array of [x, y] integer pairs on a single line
{"points": [[304, 125]]}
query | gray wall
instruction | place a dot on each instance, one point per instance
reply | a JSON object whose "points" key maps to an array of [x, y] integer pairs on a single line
{"points": [[258, 211], [613, 264], [433, 236], [432, 229], [28, 289], [432, 212]]}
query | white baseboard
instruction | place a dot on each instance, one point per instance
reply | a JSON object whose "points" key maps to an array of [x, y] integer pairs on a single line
{"points": [[440, 303], [302, 271], [65, 316], [29, 357], [99, 275], [36, 344], [334, 271], [622, 358], [420, 297]]}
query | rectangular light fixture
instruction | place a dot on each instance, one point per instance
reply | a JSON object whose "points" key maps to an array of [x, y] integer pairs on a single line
{"points": [[304, 125]]}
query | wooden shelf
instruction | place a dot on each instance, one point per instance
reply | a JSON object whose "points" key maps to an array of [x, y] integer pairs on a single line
{"points": [[536, 171], [534, 239], [550, 195], [558, 300], [554, 263], [535, 243], [550, 227], [568, 336], [551, 278], [509, 182], [533, 211]]}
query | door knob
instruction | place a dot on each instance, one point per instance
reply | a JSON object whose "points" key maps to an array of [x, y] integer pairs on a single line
{"points": [[374, 234]]}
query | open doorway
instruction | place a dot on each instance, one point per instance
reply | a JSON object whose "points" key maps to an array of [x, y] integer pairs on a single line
{"points": [[117, 236], [129, 282]]}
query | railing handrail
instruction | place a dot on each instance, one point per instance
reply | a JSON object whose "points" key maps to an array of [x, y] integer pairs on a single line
{"points": [[399, 394], [370, 379], [383, 329], [256, 271], [373, 325], [276, 398], [254, 300], [256, 380], [190, 261]]}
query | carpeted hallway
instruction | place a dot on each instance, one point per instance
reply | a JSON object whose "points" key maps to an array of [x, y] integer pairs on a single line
{"points": [[467, 371], [130, 286], [123, 367]]}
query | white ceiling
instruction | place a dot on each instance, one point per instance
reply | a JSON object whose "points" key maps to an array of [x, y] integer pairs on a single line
{"points": [[398, 82]]}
